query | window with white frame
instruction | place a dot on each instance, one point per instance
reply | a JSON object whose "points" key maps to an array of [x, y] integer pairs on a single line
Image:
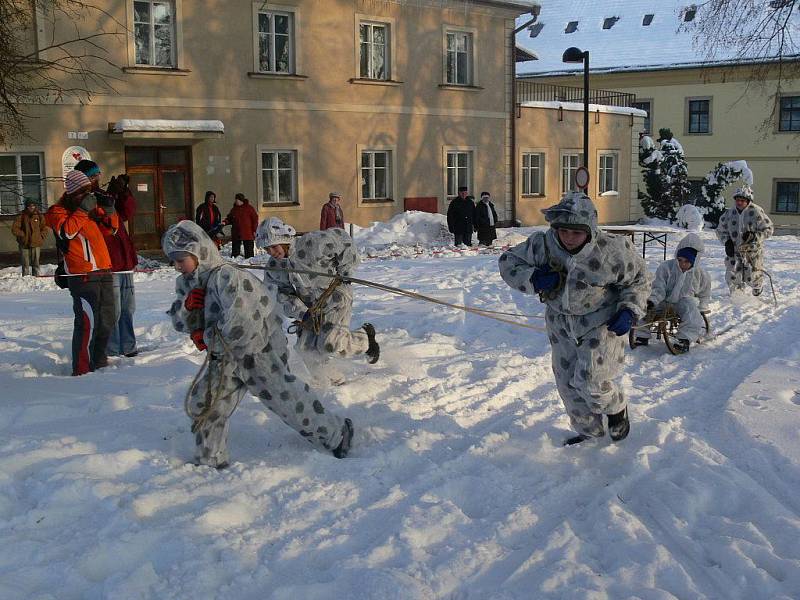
{"points": [[569, 166], [607, 172], [458, 63], [459, 171], [275, 42], [374, 50], [533, 174], [376, 175], [154, 32], [21, 179], [278, 177]]}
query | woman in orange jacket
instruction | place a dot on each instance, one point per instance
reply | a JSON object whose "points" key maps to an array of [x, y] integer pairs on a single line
{"points": [[79, 224]]}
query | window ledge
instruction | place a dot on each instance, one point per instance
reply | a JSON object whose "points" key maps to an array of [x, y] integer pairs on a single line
{"points": [[698, 133], [794, 131], [377, 201], [280, 205], [284, 76], [462, 88], [366, 81], [142, 70], [534, 196]]}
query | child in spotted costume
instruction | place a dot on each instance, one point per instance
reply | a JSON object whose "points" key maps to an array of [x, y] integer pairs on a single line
{"points": [[330, 251], [231, 315], [595, 286], [743, 229]]}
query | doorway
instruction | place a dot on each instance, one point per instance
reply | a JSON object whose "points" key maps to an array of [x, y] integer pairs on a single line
{"points": [[161, 181]]}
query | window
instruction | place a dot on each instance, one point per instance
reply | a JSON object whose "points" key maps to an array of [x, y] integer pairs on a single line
{"points": [[569, 166], [458, 70], [459, 171], [609, 22], [275, 42], [787, 197], [645, 105], [571, 27], [278, 177], [647, 20], [689, 13], [374, 54], [790, 114], [607, 173], [21, 178], [376, 175], [533, 174], [698, 115], [154, 33], [536, 29]]}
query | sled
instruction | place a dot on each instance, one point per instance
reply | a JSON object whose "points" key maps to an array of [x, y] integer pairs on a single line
{"points": [[663, 324]]}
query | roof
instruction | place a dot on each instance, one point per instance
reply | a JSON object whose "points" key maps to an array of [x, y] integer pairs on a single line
{"points": [[615, 34]]}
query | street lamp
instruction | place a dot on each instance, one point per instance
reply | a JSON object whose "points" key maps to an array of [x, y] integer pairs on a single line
{"points": [[576, 55]]}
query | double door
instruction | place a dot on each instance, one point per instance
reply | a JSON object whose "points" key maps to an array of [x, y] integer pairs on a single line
{"points": [[161, 182]]}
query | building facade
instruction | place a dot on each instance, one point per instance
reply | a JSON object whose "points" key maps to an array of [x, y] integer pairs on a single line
{"points": [[285, 101]]}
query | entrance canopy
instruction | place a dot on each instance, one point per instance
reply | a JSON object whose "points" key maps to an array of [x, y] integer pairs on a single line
{"points": [[166, 129]]}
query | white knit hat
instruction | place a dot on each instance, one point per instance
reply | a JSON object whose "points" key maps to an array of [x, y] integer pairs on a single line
{"points": [[75, 180], [272, 232], [744, 192]]}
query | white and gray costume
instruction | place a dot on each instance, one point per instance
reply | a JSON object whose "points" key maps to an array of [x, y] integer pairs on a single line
{"points": [[330, 251], [687, 292], [247, 349], [747, 263], [689, 218], [604, 277]]}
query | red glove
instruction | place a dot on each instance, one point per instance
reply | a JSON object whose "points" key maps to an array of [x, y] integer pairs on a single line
{"points": [[197, 338], [195, 299]]}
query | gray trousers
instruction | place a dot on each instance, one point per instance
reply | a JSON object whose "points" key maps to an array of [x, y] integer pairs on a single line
{"points": [[29, 258], [335, 336], [587, 374], [745, 268], [266, 375]]}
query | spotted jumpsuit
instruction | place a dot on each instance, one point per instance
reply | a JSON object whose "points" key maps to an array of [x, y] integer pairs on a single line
{"points": [[247, 348], [747, 263], [605, 276]]}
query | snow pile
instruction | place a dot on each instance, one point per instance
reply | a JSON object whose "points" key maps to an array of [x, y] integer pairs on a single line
{"points": [[409, 228]]}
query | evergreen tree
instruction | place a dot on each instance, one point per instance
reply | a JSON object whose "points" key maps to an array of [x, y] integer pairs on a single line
{"points": [[712, 203], [665, 174]]}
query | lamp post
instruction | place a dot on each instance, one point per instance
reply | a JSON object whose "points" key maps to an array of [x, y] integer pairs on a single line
{"points": [[576, 55]]}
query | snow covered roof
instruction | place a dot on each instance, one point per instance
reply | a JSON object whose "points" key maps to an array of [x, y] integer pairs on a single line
{"points": [[200, 126], [620, 35], [578, 106]]}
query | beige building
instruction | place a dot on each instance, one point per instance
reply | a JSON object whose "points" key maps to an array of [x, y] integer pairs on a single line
{"points": [[285, 101], [711, 108]]}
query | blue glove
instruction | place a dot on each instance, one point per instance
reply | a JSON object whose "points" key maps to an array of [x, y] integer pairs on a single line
{"points": [[306, 317], [544, 280], [621, 322]]}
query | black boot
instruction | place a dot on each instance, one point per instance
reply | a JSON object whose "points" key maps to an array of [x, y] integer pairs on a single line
{"points": [[682, 346], [575, 440], [757, 291], [618, 425], [641, 341], [374, 350], [347, 436]]}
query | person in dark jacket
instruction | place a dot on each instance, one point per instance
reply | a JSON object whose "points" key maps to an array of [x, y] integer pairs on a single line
{"points": [[486, 220], [461, 217], [30, 229], [118, 198], [209, 218], [243, 220]]}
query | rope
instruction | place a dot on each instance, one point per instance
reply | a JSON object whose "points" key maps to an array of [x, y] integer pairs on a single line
{"points": [[489, 314]]}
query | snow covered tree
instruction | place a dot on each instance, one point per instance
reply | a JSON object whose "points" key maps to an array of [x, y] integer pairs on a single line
{"points": [[712, 202], [666, 175]]}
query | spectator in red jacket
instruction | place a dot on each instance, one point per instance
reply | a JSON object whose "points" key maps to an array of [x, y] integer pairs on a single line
{"points": [[332, 215], [243, 220]]}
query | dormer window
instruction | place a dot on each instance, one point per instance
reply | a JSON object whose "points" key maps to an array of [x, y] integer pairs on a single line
{"points": [[647, 20], [689, 13], [536, 29], [609, 22], [572, 27]]}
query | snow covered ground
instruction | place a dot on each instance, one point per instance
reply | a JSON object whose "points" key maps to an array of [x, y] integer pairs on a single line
{"points": [[457, 486]]}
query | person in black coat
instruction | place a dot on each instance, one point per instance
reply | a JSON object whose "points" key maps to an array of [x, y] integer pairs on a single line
{"points": [[486, 220], [461, 217], [209, 217]]}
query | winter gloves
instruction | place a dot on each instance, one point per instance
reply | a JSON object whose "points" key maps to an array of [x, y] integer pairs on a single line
{"points": [[621, 322], [729, 248], [747, 237], [197, 338], [544, 280], [195, 300]]}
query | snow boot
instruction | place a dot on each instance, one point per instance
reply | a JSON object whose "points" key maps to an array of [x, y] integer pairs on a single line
{"points": [[681, 346], [618, 425], [374, 349], [347, 437], [757, 291], [640, 341], [575, 440]]}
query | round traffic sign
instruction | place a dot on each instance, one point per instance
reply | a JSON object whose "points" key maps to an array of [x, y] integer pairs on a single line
{"points": [[582, 178]]}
